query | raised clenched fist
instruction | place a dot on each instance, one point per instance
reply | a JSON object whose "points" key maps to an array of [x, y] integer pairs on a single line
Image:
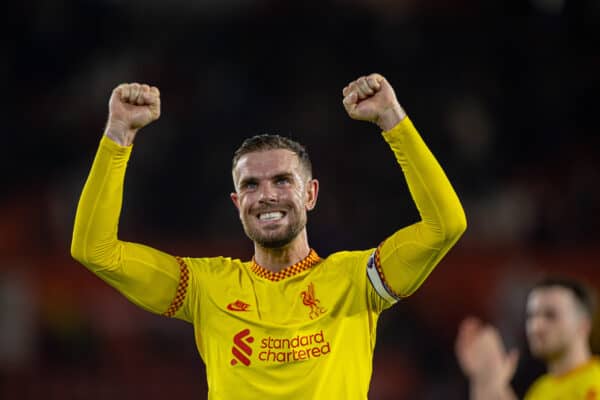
{"points": [[371, 98], [131, 107]]}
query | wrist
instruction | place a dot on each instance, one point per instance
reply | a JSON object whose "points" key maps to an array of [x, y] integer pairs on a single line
{"points": [[491, 392], [390, 117], [488, 383], [119, 133]]}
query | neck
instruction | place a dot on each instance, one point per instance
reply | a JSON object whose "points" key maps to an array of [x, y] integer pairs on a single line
{"points": [[573, 358], [276, 259]]}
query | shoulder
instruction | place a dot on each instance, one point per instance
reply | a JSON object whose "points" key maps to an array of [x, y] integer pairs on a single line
{"points": [[595, 369], [348, 263], [212, 265], [348, 258], [539, 388]]}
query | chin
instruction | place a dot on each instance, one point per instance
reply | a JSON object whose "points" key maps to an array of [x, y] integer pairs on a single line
{"points": [[545, 354], [537, 353], [275, 239], [272, 241]]}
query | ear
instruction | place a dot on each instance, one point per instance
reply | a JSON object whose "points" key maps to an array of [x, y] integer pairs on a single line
{"points": [[236, 200], [312, 192]]}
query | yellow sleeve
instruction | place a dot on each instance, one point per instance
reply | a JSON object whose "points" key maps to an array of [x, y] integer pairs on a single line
{"points": [[407, 257], [146, 276]]}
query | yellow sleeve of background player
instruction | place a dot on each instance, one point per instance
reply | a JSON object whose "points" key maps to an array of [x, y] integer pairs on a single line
{"points": [[403, 261], [147, 277]]}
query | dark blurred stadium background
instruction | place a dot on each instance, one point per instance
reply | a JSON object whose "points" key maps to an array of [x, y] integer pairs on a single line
{"points": [[504, 91]]}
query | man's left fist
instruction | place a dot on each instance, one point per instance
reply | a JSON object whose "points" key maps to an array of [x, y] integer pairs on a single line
{"points": [[371, 98]]}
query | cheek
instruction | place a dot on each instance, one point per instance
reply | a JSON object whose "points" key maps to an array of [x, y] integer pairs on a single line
{"points": [[560, 330], [244, 204], [300, 196], [568, 328], [292, 196], [528, 327]]}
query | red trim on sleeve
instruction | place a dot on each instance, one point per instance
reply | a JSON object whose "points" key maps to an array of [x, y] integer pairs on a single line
{"points": [[381, 274], [184, 278]]}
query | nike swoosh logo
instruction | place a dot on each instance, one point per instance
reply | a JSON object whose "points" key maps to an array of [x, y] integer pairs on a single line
{"points": [[238, 306]]}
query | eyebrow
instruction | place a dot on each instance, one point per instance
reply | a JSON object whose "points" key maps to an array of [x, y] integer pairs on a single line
{"points": [[282, 175], [253, 179]]}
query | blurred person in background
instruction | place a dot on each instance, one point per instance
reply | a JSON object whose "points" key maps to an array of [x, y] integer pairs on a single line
{"points": [[287, 324], [559, 320]]}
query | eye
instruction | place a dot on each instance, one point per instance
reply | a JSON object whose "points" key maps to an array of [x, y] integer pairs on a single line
{"points": [[282, 181], [248, 185], [550, 315]]}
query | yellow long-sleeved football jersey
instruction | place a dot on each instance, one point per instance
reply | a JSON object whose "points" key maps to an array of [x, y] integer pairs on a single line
{"points": [[582, 383], [306, 332]]}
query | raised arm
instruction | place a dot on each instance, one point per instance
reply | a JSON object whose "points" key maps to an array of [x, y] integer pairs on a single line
{"points": [[146, 276], [406, 258]]}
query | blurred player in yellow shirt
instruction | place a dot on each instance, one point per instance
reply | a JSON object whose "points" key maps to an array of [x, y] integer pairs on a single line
{"points": [[558, 327], [286, 324]]}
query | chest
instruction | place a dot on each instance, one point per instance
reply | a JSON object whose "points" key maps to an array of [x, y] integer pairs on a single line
{"points": [[298, 301]]}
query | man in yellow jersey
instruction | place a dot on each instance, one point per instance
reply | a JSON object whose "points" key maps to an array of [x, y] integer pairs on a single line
{"points": [[286, 324], [558, 327]]}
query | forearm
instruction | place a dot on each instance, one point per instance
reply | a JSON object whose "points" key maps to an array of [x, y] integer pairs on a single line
{"points": [[146, 276], [409, 256], [96, 221], [440, 209]]}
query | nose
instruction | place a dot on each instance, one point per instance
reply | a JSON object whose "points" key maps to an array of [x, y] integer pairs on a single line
{"points": [[535, 325], [267, 194]]}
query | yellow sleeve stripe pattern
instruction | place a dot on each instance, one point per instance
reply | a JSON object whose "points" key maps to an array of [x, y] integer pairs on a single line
{"points": [[184, 278], [310, 261], [375, 274]]}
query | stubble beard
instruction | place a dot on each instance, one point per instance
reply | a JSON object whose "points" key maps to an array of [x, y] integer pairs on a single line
{"points": [[278, 238], [546, 353]]}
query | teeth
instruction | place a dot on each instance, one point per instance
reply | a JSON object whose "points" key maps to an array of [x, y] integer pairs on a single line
{"points": [[270, 216]]}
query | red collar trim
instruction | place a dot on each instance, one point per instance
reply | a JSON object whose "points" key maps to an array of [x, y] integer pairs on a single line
{"points": [[308, 262]]}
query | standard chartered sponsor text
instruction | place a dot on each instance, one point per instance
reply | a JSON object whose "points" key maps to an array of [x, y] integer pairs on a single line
{"points": [[297, 348]]}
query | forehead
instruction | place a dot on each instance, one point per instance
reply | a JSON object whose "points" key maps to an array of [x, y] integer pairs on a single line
{"points": [[556, 298], [266, 163]]}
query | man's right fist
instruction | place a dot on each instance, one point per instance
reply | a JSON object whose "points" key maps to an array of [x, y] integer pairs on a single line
{"points": [[131, 107]]}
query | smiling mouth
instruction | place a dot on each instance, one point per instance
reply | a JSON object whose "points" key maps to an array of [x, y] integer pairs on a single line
{"points": [[271, 216]]}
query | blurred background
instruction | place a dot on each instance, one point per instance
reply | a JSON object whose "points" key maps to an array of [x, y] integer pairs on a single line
{"points": [[503, 91]]}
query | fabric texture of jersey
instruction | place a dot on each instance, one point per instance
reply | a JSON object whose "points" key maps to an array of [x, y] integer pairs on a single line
{"points": [[307, 336], [306, 332], [583, 383]]}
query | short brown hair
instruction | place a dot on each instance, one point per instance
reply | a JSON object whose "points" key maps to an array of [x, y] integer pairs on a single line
{"points": [[273, 142], [583, 294]]}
